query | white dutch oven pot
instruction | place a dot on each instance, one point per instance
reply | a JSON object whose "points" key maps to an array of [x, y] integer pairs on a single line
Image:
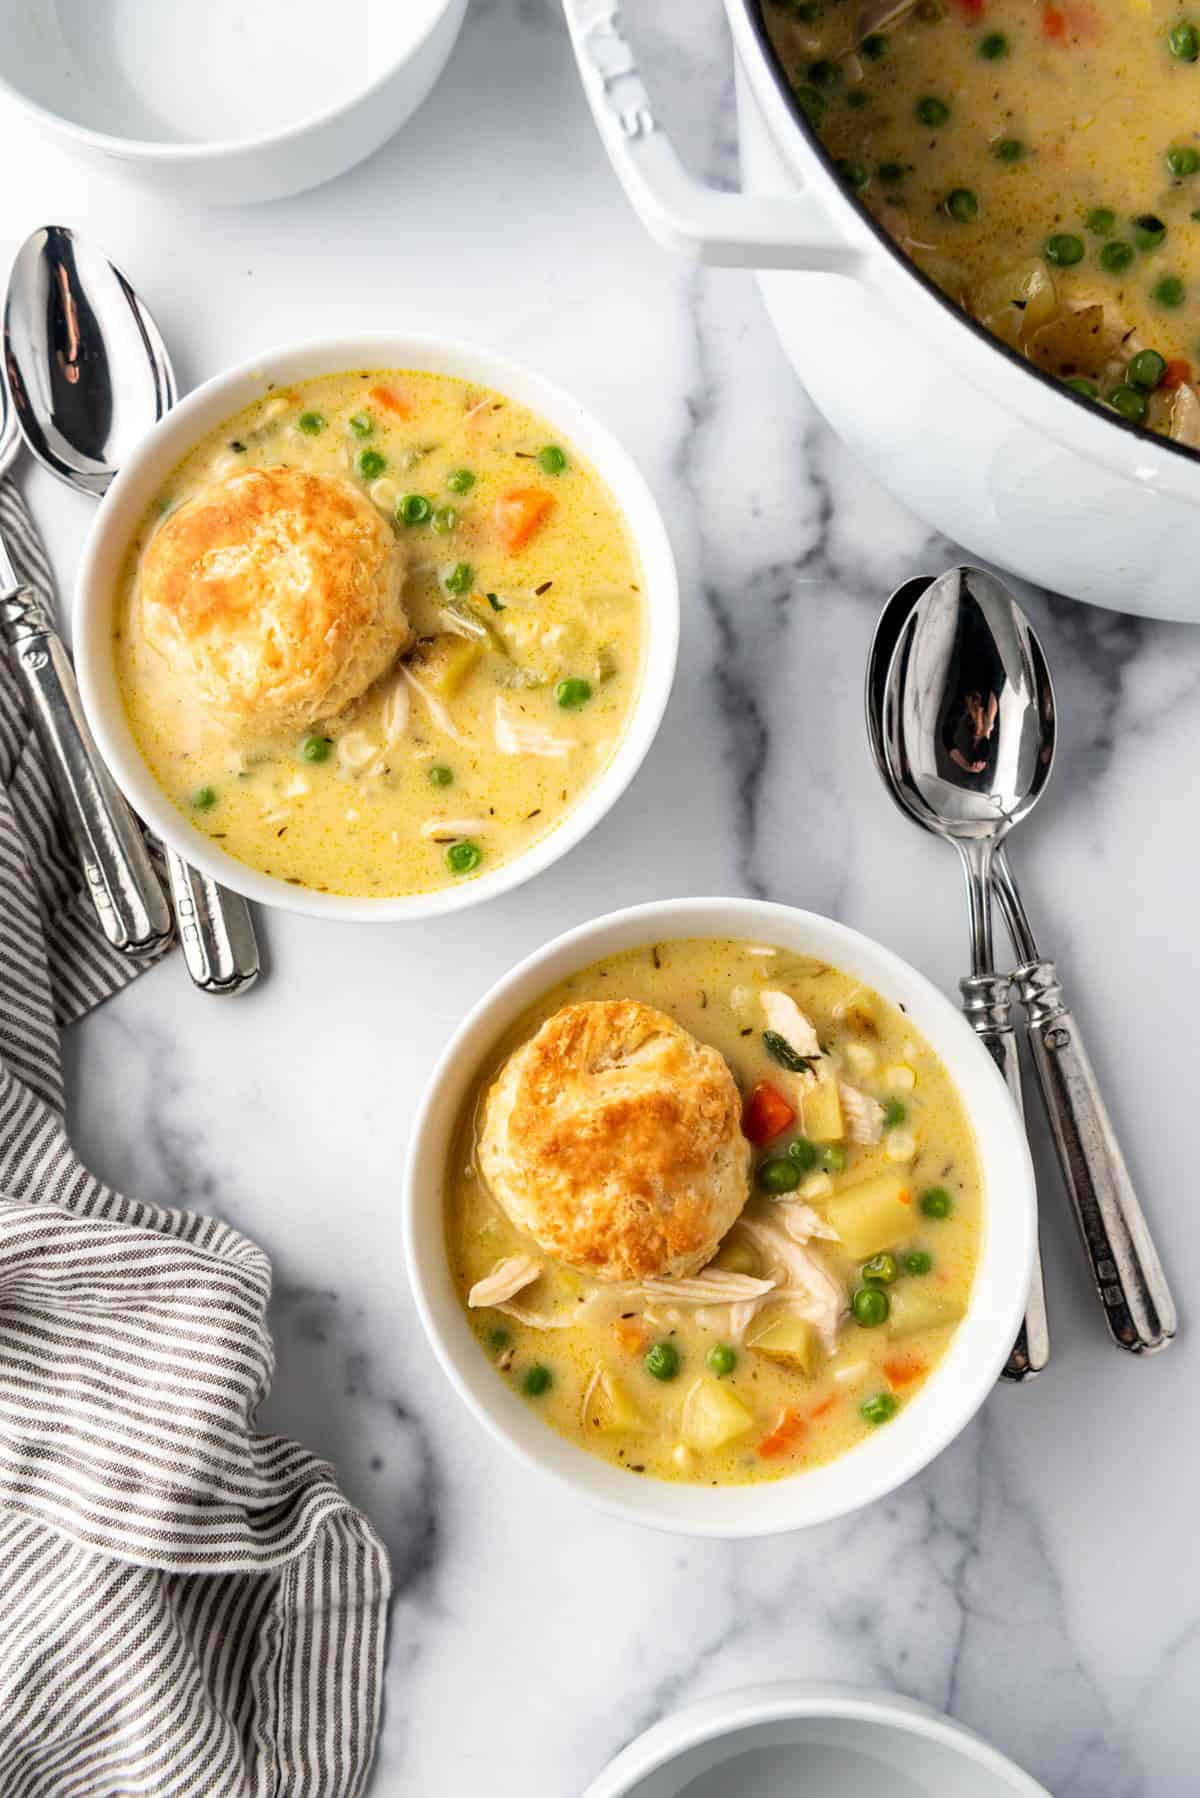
{"points": [[968, 434]]}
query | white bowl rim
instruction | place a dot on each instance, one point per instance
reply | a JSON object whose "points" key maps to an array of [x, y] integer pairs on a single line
{"points": [[727, 1713], [1006, 1256], [215, 150], [329, 354]]}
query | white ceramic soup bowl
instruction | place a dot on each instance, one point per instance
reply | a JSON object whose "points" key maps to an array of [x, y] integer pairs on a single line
{"points": [[226, 102], [132, 492], [804, 1738], [973, 437], [972, 1362]]}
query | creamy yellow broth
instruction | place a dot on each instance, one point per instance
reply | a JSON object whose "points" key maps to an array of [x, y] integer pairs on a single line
{"points": [[733, 1412], [423, 782], [1041, 163]]}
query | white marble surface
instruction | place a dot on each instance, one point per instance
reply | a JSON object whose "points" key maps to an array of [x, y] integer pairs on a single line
{"points": [[1040, 1581]]}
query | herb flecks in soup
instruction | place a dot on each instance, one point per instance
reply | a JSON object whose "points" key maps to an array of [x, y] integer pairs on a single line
{"points": [[714, 1209], [1041, 163], [381, 631]]}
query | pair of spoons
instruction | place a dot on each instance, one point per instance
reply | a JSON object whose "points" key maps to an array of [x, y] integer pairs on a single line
{"points": [[961, 720], [88, 375]]}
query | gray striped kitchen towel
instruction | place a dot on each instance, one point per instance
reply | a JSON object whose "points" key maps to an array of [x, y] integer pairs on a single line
{"points": [[188, 1608]]}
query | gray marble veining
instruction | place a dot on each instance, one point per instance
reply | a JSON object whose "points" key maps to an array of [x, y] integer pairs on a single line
{"points": [[1039, 1580]]}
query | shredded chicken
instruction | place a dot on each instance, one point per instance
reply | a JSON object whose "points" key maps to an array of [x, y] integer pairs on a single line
{"points": [[507, 1278], [448, 830], [437, 711], [356, 749], [517, 736], [787, 1020], [715, 1286], [863, 1115], [803, 1284], [397, 708]]}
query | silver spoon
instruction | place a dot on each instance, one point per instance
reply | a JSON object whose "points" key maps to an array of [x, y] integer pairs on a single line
{"points": [[1138, 1308], [929, 723], [119, 875], [90, 374]]}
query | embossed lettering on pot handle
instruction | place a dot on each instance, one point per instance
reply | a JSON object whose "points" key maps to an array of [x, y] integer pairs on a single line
{"points": [[738, 230]]}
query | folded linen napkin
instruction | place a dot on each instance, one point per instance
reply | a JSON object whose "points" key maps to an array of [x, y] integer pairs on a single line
{"points": [[187, 1606]]}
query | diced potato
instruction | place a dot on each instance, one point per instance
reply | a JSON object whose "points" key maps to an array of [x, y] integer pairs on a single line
{"points": [[612, 1410], [919, 1308], [858, 1012], [1016, 303], [872, 1216], [788, 1339], [822, 1111], [735, 1256], [713, 1416], [445, 662]]}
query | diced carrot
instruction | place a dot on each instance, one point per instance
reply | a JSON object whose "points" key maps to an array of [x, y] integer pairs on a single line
{"points": [[1178, 373], [825, 1405], [630, 1333], [765, 1113], [786, 1433], [390, 401], [904, 1196], [519, 514], [1054, 22], [971, 9], [902, 1370]]}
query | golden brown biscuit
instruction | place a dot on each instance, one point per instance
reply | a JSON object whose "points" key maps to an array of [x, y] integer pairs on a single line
{"points": [[280, 592], [614, 1139]]}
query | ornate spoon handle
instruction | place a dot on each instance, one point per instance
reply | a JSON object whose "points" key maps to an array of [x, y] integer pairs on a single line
{"points": [[216, 932], [121, 880]]}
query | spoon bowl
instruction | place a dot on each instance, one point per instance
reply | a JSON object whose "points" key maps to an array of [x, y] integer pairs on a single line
{"points": [[88, 370]]}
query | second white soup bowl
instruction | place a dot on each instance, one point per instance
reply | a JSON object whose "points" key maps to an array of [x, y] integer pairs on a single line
{"points": [[132, 493], [972, 1362]]}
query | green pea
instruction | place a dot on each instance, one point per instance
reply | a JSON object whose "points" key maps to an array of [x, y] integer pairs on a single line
{"points": [[824, 73], [1148, 231], [1064, 249], [551, 460], [1146, 369], [1183, 41], [1183, 161], [993, 45], [1101, 221], [460, 480], [371, 463], [311, 423], [720, 1359], [833, 1159], [445, 520], [870, 1306], [573, 692], [538, 1379], [891, 173], [779, 1174], [1081, 384], [918, 1262], [880, 1409], [961, 204], [461, 578], [854, 174], [894, 1112], [1009, 149], [936, 1202], [361, 423], [873, 46], [882, 1268], [414, 508], [1115, 257], [1170, 291], [463, 858], [1129, 403], [932, 111], [316, 748], [661, 1361], [811, 104], [440, 775], [499, 1340], [204, 798], [804, 1153]]}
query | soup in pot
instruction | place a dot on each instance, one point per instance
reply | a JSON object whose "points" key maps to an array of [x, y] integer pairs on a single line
{"points": [[1039, 160], [380, 632], [714, 1210]]}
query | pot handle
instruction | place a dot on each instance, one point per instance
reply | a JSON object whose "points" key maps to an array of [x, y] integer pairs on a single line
{"points": [[735, 230]]}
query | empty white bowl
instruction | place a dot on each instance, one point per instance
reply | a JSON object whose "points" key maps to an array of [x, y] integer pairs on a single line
{"points": [[958, 1385], [125, 505], [801, 1738], [227, 101]]}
